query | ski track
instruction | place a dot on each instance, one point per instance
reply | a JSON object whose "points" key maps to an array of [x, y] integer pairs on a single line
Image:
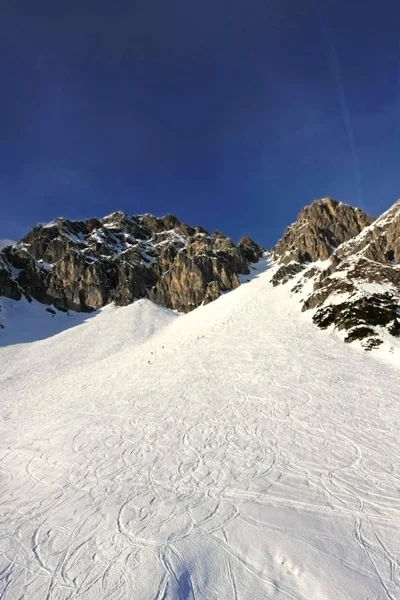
{"points": [[233, 453]]}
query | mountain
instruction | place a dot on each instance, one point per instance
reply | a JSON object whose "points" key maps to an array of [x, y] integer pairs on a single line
{"points": [[359, 290], [234, 452], [346, 269], [84, 265], [320, 228], [342, 264]]}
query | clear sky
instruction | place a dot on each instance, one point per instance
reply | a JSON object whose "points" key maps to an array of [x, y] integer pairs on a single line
{"points": [[232, 114]]}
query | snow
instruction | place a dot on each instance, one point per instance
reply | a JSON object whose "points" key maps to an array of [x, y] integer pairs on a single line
{"points": [[173, 238], [376, 288], [49, 224], [339, 274], [235, 453], [76, 238], [91, 259], [46, 266], [371, 231], [30, 321], [114, 217], [362, 288], [146, 258], [336, 298], [98, 236], [114, 242]]}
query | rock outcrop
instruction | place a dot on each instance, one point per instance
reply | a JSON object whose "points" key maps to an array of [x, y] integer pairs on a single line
{"points": [[319, 230], [356, 289], [359, 291], [84, 265], [343, 265]]}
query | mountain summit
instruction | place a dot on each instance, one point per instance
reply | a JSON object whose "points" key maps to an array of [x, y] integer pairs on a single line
{"points": [[320, 228], [84, 265], [346, 268], [342, 264]]}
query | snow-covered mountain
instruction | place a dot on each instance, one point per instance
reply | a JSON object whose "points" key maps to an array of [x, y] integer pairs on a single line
{"points": [[344, 261], [85, 265], [352, 264], [234, 452]]}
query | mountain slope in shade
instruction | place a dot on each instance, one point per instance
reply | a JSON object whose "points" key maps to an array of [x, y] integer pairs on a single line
{"points": [[232, 452]]}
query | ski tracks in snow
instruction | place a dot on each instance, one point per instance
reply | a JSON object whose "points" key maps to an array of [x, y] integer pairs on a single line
{"points": [[249, 460]]}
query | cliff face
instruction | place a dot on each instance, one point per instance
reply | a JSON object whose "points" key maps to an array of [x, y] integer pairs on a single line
{"points": [[352, 262], [84, 265], [320, 228], [359, 290]]}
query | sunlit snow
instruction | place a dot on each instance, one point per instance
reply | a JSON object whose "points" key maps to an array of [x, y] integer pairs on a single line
{"points": [[235, 453]]}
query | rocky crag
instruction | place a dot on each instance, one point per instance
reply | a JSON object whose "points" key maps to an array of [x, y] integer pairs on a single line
{"points": [[352, 264], [343, 265], [84, 265]]}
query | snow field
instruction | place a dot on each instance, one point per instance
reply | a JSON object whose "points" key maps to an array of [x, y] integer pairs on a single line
{"points": [[234, 453]]}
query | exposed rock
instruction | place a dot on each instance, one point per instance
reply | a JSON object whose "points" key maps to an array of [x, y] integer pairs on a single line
{"points": [[250, 250], [212, 293], [351, 262], [84, 265], [184, 285], [319, 230], [285, 273], [379, 242], [357, 289], [7, 282], [359, 315]]}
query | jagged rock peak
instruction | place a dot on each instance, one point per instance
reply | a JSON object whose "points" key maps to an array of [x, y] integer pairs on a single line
{"points": [[319, 229], [83, 265], [356, 291], [379, 241]]}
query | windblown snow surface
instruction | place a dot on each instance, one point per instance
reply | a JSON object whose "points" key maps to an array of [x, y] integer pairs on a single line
{"points": [[236, 452]]}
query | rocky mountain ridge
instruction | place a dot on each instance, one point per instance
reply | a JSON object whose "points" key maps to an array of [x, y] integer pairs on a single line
{"points": [[355, 282], [84, 265], [342, 264], [319, 229]]}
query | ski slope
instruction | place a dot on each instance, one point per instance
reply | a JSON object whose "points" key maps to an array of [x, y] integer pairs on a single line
{"points": [[235, 453]]}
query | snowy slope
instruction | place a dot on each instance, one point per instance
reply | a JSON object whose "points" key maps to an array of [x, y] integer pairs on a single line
{"points": [[236, 453]]}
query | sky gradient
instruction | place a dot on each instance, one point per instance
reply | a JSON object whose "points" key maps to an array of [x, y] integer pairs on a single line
{"points": [[232, 114]]}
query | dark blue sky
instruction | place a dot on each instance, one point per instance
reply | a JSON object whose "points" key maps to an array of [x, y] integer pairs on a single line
{"points": [[232, 114]]}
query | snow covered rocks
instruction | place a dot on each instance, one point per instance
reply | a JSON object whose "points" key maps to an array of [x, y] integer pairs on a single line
{"points": [[340, 263], [351, 262], [84, 265]]}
